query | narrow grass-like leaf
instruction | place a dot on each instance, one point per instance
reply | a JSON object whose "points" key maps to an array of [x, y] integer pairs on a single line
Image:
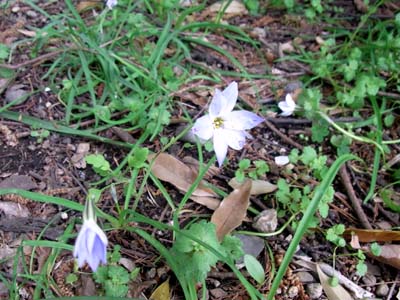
{"points": [[303, 225]]}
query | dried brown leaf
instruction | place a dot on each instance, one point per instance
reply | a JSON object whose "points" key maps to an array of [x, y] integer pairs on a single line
{"points": [[373, 235], [161, 292], [390, 254], [209, 202], [232, 210], [258, 187], [85, 5], [168, 168]]}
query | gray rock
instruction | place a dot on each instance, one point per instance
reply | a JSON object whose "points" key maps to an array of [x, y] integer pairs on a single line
{"points": [[292, 292], [382, 290], [32, 14], [266, 221], [16, 93], [251, 245], [314, 290], [369, 279], [305, 277]]}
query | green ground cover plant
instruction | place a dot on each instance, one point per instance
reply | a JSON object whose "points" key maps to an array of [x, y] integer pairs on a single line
{"points": [[118, 75]]}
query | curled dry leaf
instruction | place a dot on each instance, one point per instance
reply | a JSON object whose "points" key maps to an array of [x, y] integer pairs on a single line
{"points": [[258, 187], [332, 292], [373, 235], [167, 168], [161, 292], [232, 210]]}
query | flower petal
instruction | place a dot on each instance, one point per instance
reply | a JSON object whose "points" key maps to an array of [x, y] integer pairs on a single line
{"points": [[235, 139], [203, 127], [241, 120], [218, 102], [220, 146], [285, 108], [91, 245], [281, 160], [231, 94], [223, 102], [289, 101]]}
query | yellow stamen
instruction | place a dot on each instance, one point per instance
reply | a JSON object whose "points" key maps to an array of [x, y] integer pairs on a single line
{"points": [[218, 122]]}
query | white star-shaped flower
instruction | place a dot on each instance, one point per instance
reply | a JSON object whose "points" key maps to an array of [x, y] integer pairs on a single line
{"points": [[224, 126], [288, 106], [111, 3]]}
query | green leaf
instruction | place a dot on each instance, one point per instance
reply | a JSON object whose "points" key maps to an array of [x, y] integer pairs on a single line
{"points": [[319, 130], [233, 247], [361, 268], [138, 158], [389, 120], [4, 51], [244, 164], [254, 268], [309, 154], [376, 249], [71, 278], [118, 274], [99, 163], [195, 260]]}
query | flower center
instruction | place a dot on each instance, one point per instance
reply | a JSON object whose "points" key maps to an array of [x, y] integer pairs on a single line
{"points": [[218, 122]]}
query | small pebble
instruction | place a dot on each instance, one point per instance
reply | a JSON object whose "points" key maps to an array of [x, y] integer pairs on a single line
{"points": [[32, 14], [150, 274], [305, 277], [369, 279], [382, 290], [293, 292], [266, 221], [314, 290], [218, 293]]}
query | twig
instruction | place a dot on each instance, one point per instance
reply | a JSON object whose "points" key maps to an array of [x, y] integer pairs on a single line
{"points": [[293, 121], [344, 175], [389, 296], [282, 136], [31, 61]]}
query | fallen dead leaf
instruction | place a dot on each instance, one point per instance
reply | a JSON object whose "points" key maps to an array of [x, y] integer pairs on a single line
{"points": [[258, 187], [332, 292], [161, 292], [373, 235], [232, 210], [209, 202], [167, 168], [390, 254], [85, 5]]}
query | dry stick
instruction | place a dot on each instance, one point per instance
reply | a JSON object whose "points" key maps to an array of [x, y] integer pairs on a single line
{"points": [[283, 136], [32, 61], [352, 195]]}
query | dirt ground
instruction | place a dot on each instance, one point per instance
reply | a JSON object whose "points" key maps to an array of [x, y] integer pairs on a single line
{"points": [[51, 166]]}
